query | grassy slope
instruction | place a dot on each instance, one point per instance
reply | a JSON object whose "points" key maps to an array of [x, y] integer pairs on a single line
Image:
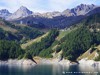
{"points": [[62, 33], [88, 55], [5, 27], [32, 41]]}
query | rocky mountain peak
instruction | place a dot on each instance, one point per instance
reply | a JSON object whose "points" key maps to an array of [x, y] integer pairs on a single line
{"points": [[23, 11], [81, 9], [23, 8], [4, 13], [20, 13], [84, 6]]}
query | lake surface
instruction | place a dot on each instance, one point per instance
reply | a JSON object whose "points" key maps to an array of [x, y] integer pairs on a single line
{"points": [[50, 70]]}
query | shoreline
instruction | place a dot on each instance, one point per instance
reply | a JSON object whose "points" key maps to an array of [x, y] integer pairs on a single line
{"points": [[28, 62], [89, 62], [21, 62]]}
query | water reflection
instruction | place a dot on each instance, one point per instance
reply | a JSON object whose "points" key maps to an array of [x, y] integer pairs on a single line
{"points": [[49, 70], [90, 69]]}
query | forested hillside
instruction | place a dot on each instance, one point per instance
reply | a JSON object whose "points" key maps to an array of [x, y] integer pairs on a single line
{"points": [[72, 42], [41, 48], [10, 49], [80, 40]]}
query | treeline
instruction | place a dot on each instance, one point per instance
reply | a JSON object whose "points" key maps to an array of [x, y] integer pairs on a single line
{"points": [[10, 49], [42, 48]]}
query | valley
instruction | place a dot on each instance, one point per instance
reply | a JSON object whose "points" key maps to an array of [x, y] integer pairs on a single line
{"points": [[42, 38]]}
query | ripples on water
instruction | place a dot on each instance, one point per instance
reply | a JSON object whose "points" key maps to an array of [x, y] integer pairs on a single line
{"points": [[49, 70]]}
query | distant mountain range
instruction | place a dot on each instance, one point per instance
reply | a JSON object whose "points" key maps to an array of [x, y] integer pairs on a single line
{"points": [[50, 19]]}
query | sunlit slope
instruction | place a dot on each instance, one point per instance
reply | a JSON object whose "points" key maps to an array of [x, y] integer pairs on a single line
{"points": [[5, 27], [89, 54], [32, 41]]}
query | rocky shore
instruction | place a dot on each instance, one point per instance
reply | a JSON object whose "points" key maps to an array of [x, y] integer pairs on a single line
{"points": [[38, 60], [89, 62], [16, 62], [54, 61]]}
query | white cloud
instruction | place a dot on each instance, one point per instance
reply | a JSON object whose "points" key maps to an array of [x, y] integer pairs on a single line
{"points": [[44, 5]]}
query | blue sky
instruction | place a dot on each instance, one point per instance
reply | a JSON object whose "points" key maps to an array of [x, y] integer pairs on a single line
{"points": [[44, 5]]}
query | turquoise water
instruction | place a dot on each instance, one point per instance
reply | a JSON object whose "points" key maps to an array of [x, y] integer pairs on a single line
{"points": [[49, 70]]}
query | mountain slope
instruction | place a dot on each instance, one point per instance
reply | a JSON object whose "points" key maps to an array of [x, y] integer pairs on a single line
{"points": [[21, 33]]}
